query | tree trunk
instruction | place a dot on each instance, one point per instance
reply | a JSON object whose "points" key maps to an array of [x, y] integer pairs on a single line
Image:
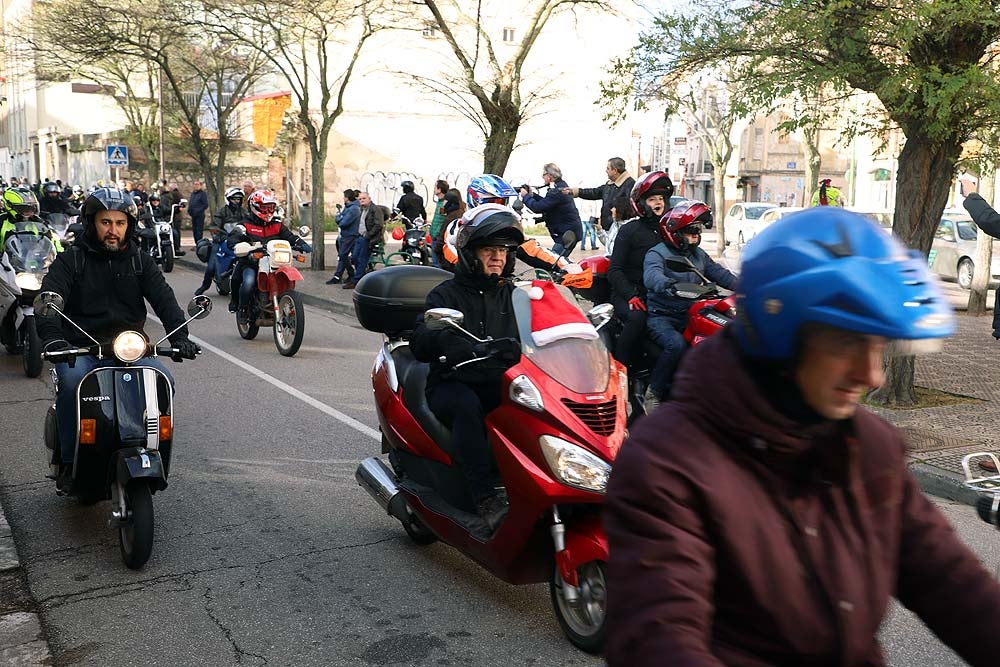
{"points": [[924, 180], [719, 204], [499, 146], [317, 164], [984, 254], [810, 150]]}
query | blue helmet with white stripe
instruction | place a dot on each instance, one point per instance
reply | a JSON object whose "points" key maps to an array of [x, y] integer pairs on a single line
{"points": [[836, 268], [488, 189]]}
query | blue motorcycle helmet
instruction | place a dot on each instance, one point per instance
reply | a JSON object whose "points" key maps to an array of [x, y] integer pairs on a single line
{"points": [[832, 267]]}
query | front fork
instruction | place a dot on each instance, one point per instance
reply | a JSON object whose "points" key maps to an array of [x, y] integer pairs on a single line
{"points": [[570, 588]]}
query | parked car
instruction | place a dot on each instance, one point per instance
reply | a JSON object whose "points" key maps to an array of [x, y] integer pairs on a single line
{"points": [[743, 221], [882, 217], [954, 248]]}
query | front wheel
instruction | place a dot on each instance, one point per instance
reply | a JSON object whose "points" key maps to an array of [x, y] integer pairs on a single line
{"points": [[966, 269], [168, 259], [583, 618], [31, 348], [136, 535], [289, 323]]}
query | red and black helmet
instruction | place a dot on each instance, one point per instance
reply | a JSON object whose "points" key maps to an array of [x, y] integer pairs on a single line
{"points": [[685, 218], [262, 205], [653, 183]]}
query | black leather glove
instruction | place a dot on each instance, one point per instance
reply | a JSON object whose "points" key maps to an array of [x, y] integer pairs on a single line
{"points": [[57, 345], [504, 349], [185, 349], [455, 347]]}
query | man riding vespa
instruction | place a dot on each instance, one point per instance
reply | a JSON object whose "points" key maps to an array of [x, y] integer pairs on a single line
{"points": [[462, 395], [105, 283]]}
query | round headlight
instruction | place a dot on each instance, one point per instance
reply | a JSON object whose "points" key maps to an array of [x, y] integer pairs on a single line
{"points": [[130, 346], [28, 281]]}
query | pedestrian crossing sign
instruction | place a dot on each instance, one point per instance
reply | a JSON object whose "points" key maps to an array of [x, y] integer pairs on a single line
{"points": [[117, 156]]}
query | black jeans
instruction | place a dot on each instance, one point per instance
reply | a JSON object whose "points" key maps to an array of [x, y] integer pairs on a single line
{"points": [[628, 347], [197, 225], [463, 408]]}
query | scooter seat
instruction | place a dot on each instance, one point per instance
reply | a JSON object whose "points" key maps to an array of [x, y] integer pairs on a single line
{"points": [[412, 376]]}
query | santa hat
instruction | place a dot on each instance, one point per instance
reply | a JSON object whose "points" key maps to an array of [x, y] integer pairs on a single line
{"points": [[553, 317]]}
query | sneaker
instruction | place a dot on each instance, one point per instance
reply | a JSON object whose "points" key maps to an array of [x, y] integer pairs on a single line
{"points": [[493, 510], [350, 284], [333, 281], [200, 291]]}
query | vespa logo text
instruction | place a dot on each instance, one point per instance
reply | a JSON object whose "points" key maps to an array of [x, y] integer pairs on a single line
{"points": [[95, 398]]}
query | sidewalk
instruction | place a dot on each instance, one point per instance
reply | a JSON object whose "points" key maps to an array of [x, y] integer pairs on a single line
{"points": [[939, 437], [22, 641]]}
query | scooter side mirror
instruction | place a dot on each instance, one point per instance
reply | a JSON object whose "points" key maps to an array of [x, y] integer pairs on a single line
{"points": [[199, 307], [442, 318], [304, 231], [601, 314], [46, 301]]}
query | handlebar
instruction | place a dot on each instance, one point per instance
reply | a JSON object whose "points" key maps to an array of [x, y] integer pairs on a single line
{"points": [[69, 354]]}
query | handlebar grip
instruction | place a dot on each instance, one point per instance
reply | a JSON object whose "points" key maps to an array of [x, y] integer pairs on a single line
{"points": [[62, 355], [987, 507]]}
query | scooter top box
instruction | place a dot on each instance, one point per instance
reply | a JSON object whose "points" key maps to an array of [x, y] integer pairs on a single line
{"points": [[388, 301]]}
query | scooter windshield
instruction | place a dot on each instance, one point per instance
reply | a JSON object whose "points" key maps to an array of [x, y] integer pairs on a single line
{"points": [[29, 252], [59, 222], [579, 364]]}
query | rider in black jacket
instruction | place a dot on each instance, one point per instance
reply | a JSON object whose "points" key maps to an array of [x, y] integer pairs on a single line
{"points": [[650, 198], [461, 397], [411, 204], [105, 283], [52, 201]]}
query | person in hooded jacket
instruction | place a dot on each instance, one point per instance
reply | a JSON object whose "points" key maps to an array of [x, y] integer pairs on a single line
{"points": [[105, 283], [461, 396], [680, 230], [762, 517], [649, 199]]}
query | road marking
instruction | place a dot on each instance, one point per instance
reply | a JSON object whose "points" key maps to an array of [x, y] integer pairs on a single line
{"points": [[287, 388]]}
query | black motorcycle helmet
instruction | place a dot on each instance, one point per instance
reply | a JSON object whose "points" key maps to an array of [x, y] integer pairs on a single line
{"points": [[108, 199], [407, 186], [487, 225], [51, 190]]}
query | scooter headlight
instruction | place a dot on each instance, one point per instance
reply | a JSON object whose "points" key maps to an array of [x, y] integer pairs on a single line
{"points": [[28, 281], [130, 346], [574, 465], [281, 258]]}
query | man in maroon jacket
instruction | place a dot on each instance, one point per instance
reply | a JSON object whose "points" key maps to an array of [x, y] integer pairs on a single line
{"points": [[762, 518]]}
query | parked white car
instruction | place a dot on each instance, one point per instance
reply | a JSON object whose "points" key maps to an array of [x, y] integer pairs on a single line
{"points": [[954, 249], [743, 221]]}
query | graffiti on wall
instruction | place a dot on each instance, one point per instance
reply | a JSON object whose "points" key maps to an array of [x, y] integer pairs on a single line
{"points": [[456, 179], [384, 186]]}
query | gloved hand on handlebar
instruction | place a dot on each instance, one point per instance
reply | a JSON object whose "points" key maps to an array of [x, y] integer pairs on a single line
{"points": [[455, 347], [505, 349], [56, 346], [302, 246], [635, 303], [186, 349]]}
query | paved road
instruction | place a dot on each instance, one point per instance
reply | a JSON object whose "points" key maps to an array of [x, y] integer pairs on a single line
{"points": [[267, 552]]}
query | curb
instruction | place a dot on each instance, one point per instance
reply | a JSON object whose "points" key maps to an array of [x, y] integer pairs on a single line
{"points": [[308, 299], [22, 640], [943, 484]]}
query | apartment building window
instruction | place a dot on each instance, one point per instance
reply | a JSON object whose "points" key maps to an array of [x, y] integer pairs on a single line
{"points": [[508, 35], [430, 30]]}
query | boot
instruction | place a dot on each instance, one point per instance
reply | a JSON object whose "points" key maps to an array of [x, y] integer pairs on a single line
{"points": [[492, 510]]}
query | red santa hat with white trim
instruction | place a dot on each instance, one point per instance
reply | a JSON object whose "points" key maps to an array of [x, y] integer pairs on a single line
{"points": [[553, 317]]}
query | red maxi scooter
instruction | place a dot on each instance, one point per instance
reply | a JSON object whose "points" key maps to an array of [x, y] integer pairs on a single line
{"points": [[554, 436], [710, 311]]}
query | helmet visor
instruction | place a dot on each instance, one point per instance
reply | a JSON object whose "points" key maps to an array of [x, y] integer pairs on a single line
{"points": [[267, 208]]}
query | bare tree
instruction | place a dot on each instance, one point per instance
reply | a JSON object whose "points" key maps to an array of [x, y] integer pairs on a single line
{"points": [[488, 88], [315, 45]]}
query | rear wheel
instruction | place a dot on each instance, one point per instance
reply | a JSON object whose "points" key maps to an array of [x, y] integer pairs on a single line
{"points": [[289, 323], [168, 259], [31, 348], [966, 269], [222, 286], [136, 535], [583, 618]]}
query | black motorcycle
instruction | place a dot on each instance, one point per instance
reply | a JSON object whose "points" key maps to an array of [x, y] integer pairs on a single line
{"points": [[415, 245], [124, 429]]}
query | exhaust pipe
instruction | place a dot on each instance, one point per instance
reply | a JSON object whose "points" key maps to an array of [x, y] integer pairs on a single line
{"points": [[379, 481]]}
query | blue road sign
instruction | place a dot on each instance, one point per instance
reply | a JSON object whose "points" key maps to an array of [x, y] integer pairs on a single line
{"points": [[117, 156]]}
